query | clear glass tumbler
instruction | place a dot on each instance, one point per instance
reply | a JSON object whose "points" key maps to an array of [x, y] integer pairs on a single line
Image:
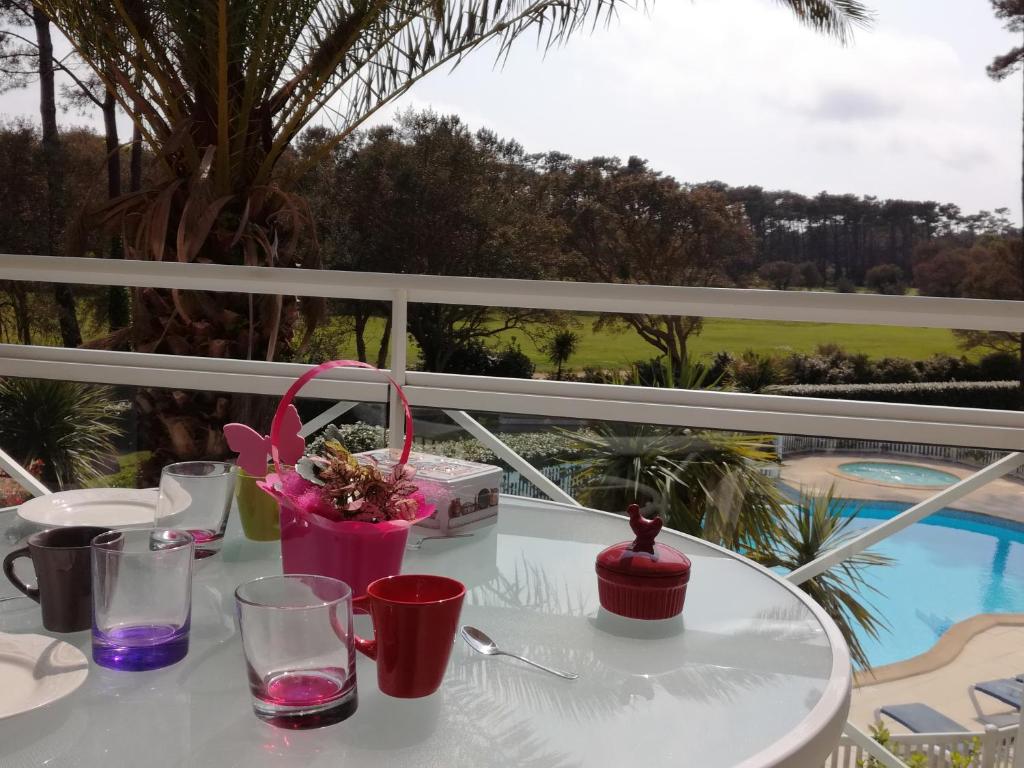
{"points": [[299, 649], [195, 496], [142, 598]]}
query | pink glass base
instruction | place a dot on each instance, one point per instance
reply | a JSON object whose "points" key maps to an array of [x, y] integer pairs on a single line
{"points": [[309, 698], [208, 542]]}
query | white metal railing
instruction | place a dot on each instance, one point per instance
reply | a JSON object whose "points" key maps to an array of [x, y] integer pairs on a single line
{"points": [[992, 748], [990, 430]]}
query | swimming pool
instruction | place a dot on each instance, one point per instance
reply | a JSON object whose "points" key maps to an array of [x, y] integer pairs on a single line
{"points": [[949, 567], [892, 473]]}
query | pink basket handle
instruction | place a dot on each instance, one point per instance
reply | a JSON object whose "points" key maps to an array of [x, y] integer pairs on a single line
{"points": [[312, 373]]}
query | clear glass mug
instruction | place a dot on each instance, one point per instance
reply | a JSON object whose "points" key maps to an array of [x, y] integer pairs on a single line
{"points": [[299, 649], [195, 496]]}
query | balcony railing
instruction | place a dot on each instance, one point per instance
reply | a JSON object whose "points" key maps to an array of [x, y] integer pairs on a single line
{"points": [[458, 395]]}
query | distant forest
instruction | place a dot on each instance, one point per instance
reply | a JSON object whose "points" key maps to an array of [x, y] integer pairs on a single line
{"points": [[428, 195]]}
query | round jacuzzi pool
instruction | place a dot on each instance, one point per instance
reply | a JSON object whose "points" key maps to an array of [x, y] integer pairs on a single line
{"points": [[892, 473]]}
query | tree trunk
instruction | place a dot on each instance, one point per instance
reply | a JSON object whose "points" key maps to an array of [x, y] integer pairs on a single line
{"points": [[112, 143], [118, 311], [22, 319], [385, 339], [71, 336], [360, 331], [135, 169]]}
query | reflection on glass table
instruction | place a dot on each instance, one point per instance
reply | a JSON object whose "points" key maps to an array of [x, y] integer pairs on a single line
{"points": [[751, 674]]}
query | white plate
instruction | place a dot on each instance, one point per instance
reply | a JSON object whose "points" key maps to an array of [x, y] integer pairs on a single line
{"points": [[105, 507], [36, 671]]}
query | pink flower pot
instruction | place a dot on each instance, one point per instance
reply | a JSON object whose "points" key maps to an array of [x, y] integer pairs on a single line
{"points": [[354, 552]]}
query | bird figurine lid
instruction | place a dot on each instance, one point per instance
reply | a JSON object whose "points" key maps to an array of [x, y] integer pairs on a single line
{"points": [[644, 557]]}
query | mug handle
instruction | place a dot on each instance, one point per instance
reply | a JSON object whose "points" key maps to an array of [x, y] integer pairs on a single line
{"points": [[366, 647], [32, 592]]}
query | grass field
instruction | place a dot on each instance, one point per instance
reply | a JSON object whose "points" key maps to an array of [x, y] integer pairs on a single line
{"points": [[609, 349]]}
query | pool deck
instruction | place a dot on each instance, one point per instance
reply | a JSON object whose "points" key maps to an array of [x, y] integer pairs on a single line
{"points": [[985, 647], [995, 652], [1000, 498]]}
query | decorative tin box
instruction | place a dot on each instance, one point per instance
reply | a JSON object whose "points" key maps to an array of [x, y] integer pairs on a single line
{"points": [[642, 579], [463, 491]]}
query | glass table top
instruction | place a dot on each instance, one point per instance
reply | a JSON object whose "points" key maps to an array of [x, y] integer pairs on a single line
{"points": [[751, 674]]}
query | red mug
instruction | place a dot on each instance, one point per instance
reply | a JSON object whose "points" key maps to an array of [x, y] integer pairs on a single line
{"points": [[414, 621]]}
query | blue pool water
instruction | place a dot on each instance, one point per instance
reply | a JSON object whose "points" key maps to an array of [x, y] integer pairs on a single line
{"points": [[891, 473], [947, 568]]}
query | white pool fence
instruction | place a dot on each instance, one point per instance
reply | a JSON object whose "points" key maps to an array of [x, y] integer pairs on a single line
{"points": [[993, 749]]}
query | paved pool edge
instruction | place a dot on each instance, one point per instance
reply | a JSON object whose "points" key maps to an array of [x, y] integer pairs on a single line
{"points": [[945, 650]]}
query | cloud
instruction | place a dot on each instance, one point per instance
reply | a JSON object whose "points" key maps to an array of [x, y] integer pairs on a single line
{"points": [[851, 104]]}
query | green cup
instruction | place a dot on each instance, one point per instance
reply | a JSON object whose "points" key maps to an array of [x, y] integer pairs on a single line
{"points": [[258, 511]]}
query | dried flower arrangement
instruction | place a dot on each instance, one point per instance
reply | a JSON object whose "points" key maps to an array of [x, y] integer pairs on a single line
{"points": [[329, 481]]}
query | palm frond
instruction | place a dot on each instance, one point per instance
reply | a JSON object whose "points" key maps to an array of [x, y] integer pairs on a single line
{"points": [[70, 427], [706, 484], [833, 17], [817, 523]]}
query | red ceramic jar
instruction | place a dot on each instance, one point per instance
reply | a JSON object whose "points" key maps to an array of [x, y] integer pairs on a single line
{"points": [[642, 579]]}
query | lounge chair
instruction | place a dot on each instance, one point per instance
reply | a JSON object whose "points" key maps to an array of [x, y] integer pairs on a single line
{"points": [[1006, 690], [920, 718]]}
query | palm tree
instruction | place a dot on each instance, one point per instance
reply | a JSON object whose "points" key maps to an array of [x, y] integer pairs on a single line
{"points": [[707, 484], [219, 90], [815, 524], [560, 348]]}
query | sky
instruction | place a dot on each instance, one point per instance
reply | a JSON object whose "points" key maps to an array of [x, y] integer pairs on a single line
{"points": [[737, 90]]}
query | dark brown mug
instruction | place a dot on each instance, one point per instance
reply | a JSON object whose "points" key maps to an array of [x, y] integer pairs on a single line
{"points": [[62, 560]]}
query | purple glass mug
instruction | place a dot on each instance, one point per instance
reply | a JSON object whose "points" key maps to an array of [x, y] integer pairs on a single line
{"points": [[142, 597]]}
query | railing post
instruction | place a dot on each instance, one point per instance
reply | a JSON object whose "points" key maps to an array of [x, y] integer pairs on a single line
{"points": [[1018, 748], [872, 747], [989, 746], [398, 366]]}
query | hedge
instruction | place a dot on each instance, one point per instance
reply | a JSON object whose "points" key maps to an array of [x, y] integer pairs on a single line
{"points": [[541, 448], [1004, 395]]}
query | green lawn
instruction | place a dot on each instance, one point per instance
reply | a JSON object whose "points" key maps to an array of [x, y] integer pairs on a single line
{"points": [[608, 349]]}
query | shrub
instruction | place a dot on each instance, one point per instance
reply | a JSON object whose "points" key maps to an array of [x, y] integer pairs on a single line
{"points": [[810, 275], [512, 363], [658, 372], [720, 365], [539, 448], [999, 365], [649, 373], [949, 368], [896, 370], [887, 279], [753, 372], [845, 285], [593, 375], [70, 427], [473, 359], [1003, 395], [779, 274], [830, 365], [361, 436]]}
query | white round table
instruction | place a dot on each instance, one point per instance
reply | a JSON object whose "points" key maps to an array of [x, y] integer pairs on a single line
{"points": [[753, 674]]}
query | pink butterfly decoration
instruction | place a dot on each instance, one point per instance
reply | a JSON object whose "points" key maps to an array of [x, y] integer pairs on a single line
{"points": [[253, 449]]}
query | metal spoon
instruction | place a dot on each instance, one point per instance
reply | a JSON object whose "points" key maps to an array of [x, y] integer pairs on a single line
{"points": [[481, 643], [419, 542]]}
